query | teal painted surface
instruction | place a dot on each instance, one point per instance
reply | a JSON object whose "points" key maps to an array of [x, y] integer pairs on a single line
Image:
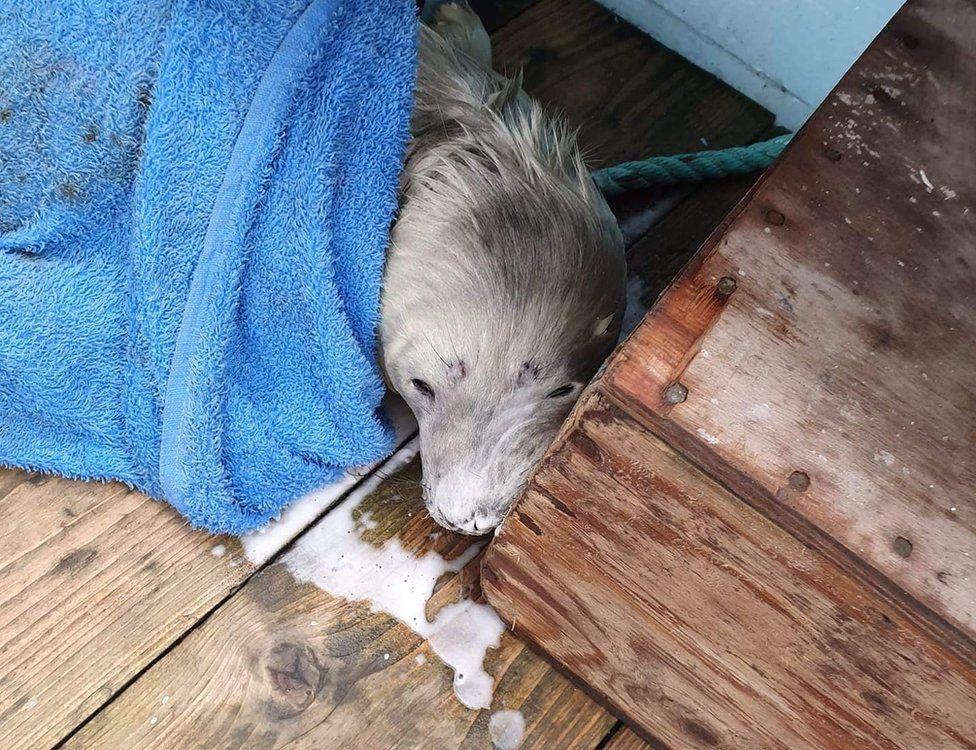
{"points": [[785, 54]]}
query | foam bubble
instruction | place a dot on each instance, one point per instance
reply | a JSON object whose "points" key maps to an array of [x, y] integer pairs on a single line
{"points": [[507, 729]]}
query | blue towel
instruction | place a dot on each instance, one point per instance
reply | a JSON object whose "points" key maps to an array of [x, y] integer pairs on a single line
{"points": [[195, 199]]}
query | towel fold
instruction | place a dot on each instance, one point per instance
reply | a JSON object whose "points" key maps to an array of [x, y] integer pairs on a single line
{"points": [[195, 199]]}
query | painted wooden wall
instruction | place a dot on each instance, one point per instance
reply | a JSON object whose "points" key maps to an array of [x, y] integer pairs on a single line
{"points": [[785, 54]]}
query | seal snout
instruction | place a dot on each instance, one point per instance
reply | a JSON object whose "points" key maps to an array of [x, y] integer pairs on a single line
{"points": [[477, 525], [461, 505]]}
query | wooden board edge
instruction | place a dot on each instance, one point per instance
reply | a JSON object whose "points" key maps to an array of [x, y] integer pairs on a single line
{"points": [[756, 496]]}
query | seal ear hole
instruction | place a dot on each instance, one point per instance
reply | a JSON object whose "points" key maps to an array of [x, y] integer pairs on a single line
{"points": [[563, 390], [423, 388]]}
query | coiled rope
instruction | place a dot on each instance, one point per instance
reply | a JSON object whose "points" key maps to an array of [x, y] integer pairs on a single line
{"points": [[696, 167]]}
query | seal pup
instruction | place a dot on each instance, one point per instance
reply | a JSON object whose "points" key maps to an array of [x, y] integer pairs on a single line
{"points": [[505, 281]]}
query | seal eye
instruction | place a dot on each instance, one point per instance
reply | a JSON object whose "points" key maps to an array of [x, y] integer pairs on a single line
{"points": [[563, 390], [423, 388]]}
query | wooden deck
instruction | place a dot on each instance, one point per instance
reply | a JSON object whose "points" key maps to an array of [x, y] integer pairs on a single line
{"points": [[773, 483], [121, 627]]}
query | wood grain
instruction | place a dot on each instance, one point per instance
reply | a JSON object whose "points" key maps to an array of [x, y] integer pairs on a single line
{"points": [[846, 354], [283, 664], [630, 96], [94, 581], [626, 739], [703, 621]]}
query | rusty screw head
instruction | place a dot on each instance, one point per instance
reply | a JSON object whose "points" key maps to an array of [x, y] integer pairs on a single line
{"points": [[775, 217], [799, 481], [726, 285], [675, 393]]}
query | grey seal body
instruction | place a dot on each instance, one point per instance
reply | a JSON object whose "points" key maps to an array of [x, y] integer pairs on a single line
{"points": [[505, 281]]}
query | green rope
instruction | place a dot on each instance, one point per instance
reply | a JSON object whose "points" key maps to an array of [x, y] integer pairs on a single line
{"points": [[703, 165]]}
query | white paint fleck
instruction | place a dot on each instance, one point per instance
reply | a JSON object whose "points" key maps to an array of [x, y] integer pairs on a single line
{"points": [[386, 657], [420, 659], [31, 704], [707, 436], [925, 180], [507, 729], [164, 700], [884, 457], [218, 550], [392, 580], [153, 720], [953, 509]]}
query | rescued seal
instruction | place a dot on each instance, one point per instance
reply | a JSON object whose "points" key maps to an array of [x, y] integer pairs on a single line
{"points": [[505, 281]]}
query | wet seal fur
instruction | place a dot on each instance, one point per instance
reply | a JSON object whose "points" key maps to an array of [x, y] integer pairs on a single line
{"points": [[505, 282]]}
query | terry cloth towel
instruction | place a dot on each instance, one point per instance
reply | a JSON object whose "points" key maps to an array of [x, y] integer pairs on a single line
{"points": [[195, 199]]}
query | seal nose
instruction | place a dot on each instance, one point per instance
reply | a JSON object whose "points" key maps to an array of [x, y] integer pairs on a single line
{"points": [[478, 525]]}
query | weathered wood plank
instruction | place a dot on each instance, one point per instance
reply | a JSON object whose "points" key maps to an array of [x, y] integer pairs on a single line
{"points": [[496, 13], [630, 96], [845, 357], [703, 621], [625, 739], [286, 664], [96, 582]]}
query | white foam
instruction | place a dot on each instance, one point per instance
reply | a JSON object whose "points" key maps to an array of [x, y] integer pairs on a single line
{"points": [[335, 558], [507, 729], [261, 545]]}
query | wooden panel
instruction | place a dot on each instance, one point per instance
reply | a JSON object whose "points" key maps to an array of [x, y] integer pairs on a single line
{"points": [[836, 387], [630, 96], [286, 664], [704, 622], [625, 739], [95, 580]]}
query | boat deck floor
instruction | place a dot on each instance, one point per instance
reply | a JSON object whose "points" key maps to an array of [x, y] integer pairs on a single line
{"points": [[122, 627]]}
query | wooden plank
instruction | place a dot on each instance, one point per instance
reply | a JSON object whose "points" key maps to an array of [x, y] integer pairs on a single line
{"points": [[625, 739], [284, 663], [704, 622], [496, 13], [630, 96], [836, 387], [96, 582]]}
